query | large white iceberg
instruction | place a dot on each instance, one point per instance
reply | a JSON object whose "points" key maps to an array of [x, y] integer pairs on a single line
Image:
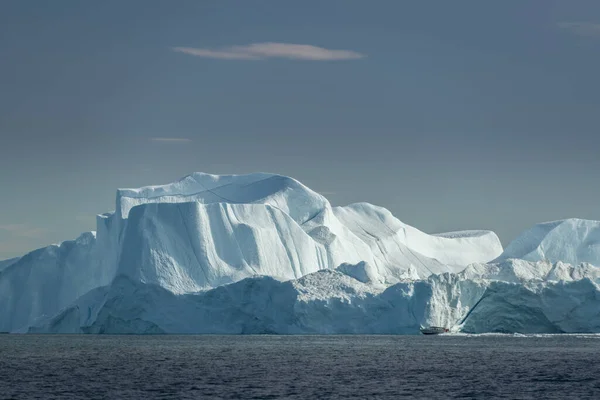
{"points": [[263, 253]]}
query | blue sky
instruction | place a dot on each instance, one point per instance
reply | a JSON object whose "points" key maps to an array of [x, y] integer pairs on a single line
{"points": [[453, 115]]}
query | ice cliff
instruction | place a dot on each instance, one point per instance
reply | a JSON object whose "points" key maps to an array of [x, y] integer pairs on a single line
{"points": [[263, 253]]}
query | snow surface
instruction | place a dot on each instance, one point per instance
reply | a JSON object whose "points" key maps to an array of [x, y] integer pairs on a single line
{"points": [[262, 253], [572, 241], [282, 192]]}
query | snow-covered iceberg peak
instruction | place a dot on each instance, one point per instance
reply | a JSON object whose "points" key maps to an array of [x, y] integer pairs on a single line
{"points": [[373, 223], [571, 241], [282, 192], [208, 230]]}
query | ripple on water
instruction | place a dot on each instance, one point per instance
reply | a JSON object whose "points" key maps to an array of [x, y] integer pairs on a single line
{"points": [[448, 366]]}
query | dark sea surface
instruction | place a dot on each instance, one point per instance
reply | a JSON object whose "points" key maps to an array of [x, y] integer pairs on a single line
{"points": [[299, 367]]}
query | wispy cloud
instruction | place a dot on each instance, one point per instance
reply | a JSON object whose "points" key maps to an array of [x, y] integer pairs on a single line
{"points": [[23, 230], [170, 140], [589, 29], [258, 51]]}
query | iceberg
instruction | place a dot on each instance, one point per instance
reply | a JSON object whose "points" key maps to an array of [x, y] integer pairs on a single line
{"points": [[262, 253], [572, 241]]}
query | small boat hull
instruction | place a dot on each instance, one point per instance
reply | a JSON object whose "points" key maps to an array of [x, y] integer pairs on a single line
{"points": [[433, 330]]}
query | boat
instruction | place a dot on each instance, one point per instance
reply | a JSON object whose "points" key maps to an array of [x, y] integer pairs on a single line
{"points": [[434, 330]]}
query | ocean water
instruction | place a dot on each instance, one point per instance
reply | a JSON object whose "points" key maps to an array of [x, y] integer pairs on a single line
{"points": [[300, 367]]}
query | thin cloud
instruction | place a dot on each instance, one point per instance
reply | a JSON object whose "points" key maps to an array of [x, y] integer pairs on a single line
{"points": [[170, 140], [588, 29], [23, 230], [259, 51]]}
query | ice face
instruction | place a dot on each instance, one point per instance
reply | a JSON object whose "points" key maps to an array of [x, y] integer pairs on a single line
{"points": [[48, 279], [331, 302]]}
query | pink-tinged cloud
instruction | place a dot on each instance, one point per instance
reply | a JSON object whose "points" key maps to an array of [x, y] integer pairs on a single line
{"points": [[259, 51]]}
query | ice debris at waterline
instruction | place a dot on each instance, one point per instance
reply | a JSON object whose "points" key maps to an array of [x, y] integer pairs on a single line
{"points": [[262, 253]]}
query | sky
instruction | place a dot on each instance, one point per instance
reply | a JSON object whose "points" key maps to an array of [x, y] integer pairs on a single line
{"points": [[453, 115]]}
